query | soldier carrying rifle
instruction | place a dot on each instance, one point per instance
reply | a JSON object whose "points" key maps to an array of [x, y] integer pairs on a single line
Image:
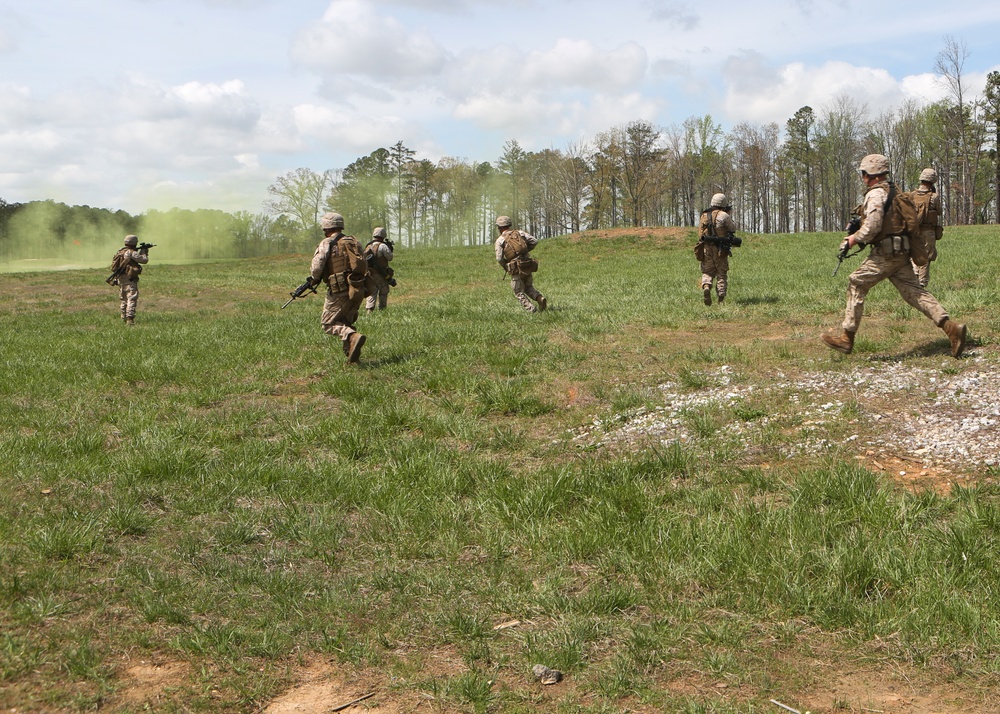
{"points": [[125, 269], [715, 243], [882, 225]]}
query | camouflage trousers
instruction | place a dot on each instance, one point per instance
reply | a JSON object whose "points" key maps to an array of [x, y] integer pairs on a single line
{"points": [[128, 294], [923, 272], [899, 271], [715, 267], [524, 291], [340, 312], [379, 295]]}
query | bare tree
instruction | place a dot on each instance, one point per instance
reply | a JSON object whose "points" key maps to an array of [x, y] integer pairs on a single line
{"points": [[965, 132], [991, 105], [299, 194]]}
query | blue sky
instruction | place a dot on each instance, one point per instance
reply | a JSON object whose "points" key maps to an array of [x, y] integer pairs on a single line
{"points": [[139, 104]]}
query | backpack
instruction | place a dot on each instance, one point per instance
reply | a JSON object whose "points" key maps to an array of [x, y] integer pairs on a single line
{"points": [[515, 245], [119, 261], [706, 225], [922, 243], [900, 214]]}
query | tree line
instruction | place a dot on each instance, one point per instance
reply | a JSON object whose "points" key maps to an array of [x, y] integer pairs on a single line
{"points": [[800, 177]]}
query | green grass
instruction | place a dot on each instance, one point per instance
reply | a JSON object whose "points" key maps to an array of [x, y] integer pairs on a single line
{"points": [[215, 486]]}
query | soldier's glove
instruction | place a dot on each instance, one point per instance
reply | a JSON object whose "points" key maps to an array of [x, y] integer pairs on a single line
{"points": [[845, 246]]}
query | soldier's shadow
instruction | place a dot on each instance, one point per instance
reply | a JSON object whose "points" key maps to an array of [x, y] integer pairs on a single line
{"points": [[384, 361], [761, 300], [934, 348]]}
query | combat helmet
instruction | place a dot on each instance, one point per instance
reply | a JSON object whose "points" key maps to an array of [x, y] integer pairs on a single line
{"points": [[329, 221], [929, 175], [378, 233], [131, 241], [874, 165], [504, 222], [719, 200]]}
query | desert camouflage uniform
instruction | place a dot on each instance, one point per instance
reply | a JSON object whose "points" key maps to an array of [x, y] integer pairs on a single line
{"points": [[889, 258], [381, 253], [521, 283], [929, 232], [128, 282], [715, 266], [338, 262]]}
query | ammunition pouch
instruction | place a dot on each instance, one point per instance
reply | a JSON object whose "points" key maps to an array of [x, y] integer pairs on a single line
{"points": [[699, 251], [337, 282], [891, 245], [522, 266]]}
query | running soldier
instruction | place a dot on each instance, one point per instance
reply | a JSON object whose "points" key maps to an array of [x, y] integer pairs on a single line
{"points": [[378, 253], [924, 250], [889, 258], [512, 248], [338, 262], [126, 267]]}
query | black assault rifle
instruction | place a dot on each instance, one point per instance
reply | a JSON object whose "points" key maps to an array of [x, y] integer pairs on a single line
{"points": [[853, 226], [113, 278], [307, 286], [725, 244]]}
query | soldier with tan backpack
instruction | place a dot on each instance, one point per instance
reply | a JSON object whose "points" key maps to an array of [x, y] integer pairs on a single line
{"points": [[923, 245], [714, 247], [339, 262], [512, 248], [125, 269], [888, 221]]}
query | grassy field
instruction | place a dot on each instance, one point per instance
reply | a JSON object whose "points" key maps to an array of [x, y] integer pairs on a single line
{"points": [[212, 512]]}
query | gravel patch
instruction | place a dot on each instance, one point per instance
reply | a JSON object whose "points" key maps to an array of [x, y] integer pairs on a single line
{"points": [[939, 419]]}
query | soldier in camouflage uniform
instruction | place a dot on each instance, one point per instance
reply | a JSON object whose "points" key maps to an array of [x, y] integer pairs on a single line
{"points": [[715, 263], [511, 249], [929, 209], [338, 262], [889, 258], [129, 261], [378, 253]]}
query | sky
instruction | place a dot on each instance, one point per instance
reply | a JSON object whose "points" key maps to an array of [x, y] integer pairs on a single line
{"points": [[155, 104]]}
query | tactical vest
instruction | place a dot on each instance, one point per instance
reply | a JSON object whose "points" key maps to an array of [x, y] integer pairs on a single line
{"points": [[514, 245], [337, 264], [707, 227], [375, 260], [928, 210]]}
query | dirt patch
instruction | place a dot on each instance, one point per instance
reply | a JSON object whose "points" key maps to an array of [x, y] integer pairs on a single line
{"points": [[152, 682], [891, 692]]}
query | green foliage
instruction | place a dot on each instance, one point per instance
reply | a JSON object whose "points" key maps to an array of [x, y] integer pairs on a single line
{"points": [[217, 486]]}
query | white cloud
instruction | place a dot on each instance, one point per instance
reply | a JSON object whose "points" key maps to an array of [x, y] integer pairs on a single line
{"points": [[569, 64], [535, 117], [353, 39], [760, 94], [344, 131]]}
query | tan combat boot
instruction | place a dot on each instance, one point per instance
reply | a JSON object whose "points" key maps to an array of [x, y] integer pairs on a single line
{"points": [[706, 293], [129, 321], [542, 303], [956, 332], [843, 342], [354, 343]]}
